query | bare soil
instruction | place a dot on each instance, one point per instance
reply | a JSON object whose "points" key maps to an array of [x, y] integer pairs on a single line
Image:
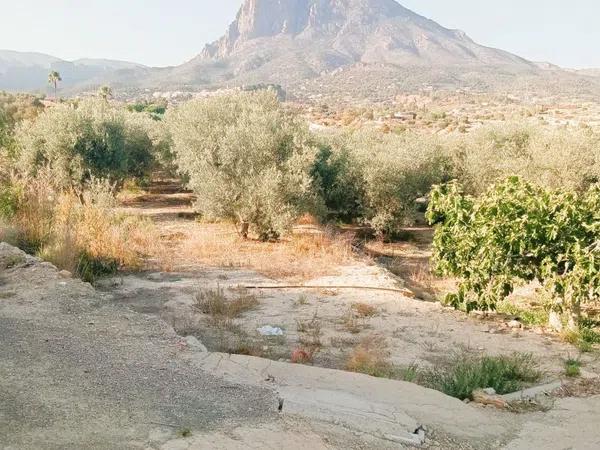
{"points": [[324, 322]]}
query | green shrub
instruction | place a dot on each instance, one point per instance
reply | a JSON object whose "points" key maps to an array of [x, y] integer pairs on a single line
{"points": [[92, 139], [378, 177], [246, 158], [340, 183], [572, 368], [464, 374], [517, 231], [90, 268]]}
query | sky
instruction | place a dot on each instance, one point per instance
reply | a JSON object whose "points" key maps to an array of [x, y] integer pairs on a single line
{"points": [[169, 32]]}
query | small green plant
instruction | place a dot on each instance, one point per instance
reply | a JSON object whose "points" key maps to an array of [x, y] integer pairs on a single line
{"points": [[91, 268], [535, 316], [572, 367], [464, 374], [584, 336], [184, 432]]}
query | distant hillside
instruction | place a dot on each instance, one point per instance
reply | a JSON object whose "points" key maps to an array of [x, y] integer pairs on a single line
{"points": [[24, 71], [365, 48], [370, 49]]}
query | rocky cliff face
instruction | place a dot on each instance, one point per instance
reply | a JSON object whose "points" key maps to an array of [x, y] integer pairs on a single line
{"points": [[269, 18], [369, 31]]}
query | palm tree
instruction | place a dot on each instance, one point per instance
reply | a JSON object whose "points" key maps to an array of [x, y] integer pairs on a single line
{"points": [[53, 79], [105, 92]]}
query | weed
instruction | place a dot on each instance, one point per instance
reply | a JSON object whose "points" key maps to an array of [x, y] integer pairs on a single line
{"points": [[464, 374], [302, 356], [584, 337], [409, 373], [215, 304], [351, 323], [535, 316], [371, 358], [572, 367], [91, 268], [184, 432], [343, 342], [301, 301], [364, 310], [312, 332]]}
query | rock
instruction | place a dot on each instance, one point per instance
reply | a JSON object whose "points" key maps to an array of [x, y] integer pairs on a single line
{"points": [[480, 396], [489, 391], [65, 274], [195, 344], [515, 324], [554, 321]]}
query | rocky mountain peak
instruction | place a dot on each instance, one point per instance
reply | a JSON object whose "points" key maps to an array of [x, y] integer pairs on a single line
{"points": [[269, 18]]}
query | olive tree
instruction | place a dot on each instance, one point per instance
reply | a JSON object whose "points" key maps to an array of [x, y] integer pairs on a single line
{"points": [[91, 139], [247, 159], [377, 178]]}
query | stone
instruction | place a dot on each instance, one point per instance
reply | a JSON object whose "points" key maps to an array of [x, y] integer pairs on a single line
{"points": [[195, 344], [514, 324], [480, 396], [65, 274]]}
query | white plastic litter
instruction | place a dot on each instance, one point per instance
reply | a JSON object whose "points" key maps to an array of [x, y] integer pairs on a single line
{"points": [[268, 330]]}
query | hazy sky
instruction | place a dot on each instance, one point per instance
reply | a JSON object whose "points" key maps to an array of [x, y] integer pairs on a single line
{"points": [[168, 32]]}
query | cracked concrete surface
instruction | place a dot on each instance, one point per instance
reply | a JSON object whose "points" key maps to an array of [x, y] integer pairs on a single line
{"points": [[78, 371]]}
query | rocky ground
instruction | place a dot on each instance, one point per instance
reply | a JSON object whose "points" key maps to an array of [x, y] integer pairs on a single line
{"points": [[78, 370]]}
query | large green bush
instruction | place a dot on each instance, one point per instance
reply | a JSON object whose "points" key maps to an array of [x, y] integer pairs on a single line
{"points": [[91, 139], [246, 158], [518, 232]]}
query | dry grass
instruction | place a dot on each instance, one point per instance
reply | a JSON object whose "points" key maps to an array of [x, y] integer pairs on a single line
{"points": [[364, 310], [299, 256], [311, 333], [354, 319], [80, 233], [371, 357], [216, 304]]}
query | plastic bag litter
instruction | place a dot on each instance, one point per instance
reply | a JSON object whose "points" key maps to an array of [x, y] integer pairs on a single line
{"points": [[268, 330]]}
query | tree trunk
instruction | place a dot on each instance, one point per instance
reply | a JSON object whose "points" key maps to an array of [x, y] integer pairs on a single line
{"points": [[244, 227]]}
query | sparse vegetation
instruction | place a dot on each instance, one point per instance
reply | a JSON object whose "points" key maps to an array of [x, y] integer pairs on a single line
{"points": [[572, 368], [311, 333], [364, 309], [215, 303], [465, 373]]}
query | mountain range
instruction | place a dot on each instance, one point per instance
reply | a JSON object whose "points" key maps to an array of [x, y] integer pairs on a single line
{"points": [[367, 48]]}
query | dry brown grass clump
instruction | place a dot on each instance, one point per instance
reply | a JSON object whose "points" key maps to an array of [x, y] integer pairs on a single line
{"points": [[298, 256], [371, 357], [311, 333], [78, 232], [216, 304], [364, 309]]}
